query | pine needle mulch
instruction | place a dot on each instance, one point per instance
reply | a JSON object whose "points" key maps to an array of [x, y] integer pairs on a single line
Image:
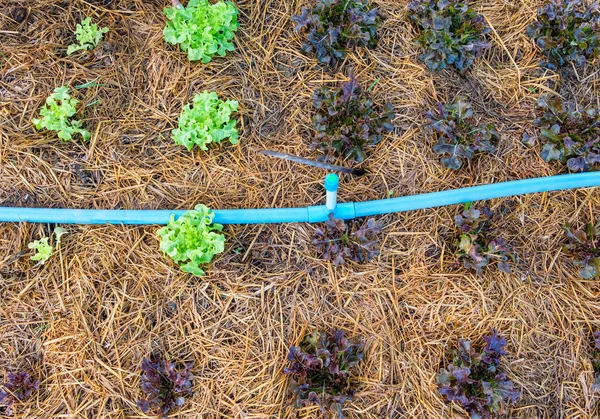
{"points": [[83, 322]]}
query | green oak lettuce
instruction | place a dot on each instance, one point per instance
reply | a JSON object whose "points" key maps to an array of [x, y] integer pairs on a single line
{"points": [[202, 29], [207, 120], [192, 239]]}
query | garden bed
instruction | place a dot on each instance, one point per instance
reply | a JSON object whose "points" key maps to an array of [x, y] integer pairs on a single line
{"points": [[83, 322]]}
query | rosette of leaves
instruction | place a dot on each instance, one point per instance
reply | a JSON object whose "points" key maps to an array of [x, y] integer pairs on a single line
{"points": [[459, 137], [18, 387], [452, 34], [164, 387], [565, 33], [596, 362], [88, 35], [43, 250], [192, 239], [56, 115], [475, 381], [337, 243], [584, 248], [321, 370], [568, 135], [347, 121], [336, 26], [202, 29], [207, 121], [478, 247]]}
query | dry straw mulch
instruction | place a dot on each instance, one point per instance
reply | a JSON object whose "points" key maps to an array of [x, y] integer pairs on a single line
{"points": [[83, 322]]}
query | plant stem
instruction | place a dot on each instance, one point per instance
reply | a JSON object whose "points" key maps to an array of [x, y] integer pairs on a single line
{"points": [[176, 3]]}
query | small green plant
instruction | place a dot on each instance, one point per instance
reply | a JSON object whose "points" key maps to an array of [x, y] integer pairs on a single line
{"points": [[207, 121], [336, 242], [56, 115], [321, 370], [452, 34], [43, 250], [336, 26], [164, 387], [58, 233], [584, 248], [88, 35], [347, 121], [565, 34], [17, 388], [191, 240], [568, 135], [202, 29], [477, 246], [459, 137], [475, 380]]}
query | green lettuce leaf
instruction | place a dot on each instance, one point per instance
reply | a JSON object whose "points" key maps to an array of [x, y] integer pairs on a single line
{"points": [[202, 29], [192, 239]]}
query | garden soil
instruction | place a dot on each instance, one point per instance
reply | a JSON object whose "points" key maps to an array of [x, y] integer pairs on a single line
{"points": [[82, 322]]}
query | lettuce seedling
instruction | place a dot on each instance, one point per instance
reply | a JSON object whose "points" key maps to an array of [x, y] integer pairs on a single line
{"points": [[202, 29], [565, 34], [163, 386], [584, 247], [321, 370], [43, 250], [596, 362], [88, 36], [207, 121], [568, 135], [56, 115], [347, 121], [336, 26], [477, 247], [459, 137], [17, 388], [191, 240], [58, 233], [336, 243], [452, 34], [475, 380]]}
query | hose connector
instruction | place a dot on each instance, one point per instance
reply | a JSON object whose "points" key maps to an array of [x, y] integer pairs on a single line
{"points": [[331, 187]]}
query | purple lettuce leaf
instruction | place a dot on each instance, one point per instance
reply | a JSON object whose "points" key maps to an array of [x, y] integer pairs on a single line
{"points": [[347, 122], [474, 380], [459, 139], [336, 241], [18, 387], [320, 370], [164, 386]]}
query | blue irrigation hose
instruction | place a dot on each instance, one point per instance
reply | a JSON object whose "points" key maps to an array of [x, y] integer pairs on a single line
{"points": [[310, 214]]}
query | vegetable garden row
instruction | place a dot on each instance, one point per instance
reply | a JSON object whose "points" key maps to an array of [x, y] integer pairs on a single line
{"points": [[347, 124]]}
